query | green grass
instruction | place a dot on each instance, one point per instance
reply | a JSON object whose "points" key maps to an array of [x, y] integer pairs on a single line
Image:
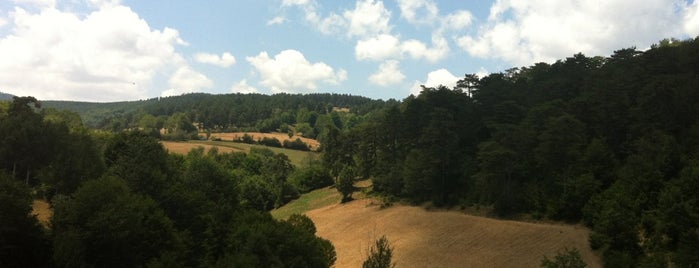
{"points": [[309, 201], [298, 158]]}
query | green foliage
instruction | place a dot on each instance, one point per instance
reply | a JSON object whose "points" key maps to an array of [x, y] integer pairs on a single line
{"points": [[106, 224], [23, 242], [272, 142], [296, 144], [380, 254], [302, 222], [310, 178], [345, 183], [568, 258], [140, 160]]}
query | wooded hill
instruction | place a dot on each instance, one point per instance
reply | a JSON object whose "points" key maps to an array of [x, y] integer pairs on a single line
{"points": [[228, 112], [612, 142], [609, 141]]}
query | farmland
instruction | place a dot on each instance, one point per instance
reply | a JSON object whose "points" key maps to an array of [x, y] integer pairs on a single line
{"points": [[423, 238], [298, 158]]}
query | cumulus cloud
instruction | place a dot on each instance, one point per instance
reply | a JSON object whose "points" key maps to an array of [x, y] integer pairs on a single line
{"points": [[386, 46], [295, 2], [276, 20], [457, 20], [418, 50], [186, 80], [388, 74], [37, 3], [243, 87], [290, 71], [55, 54], [224, 60], [691, 19], [526, 32], [434, 79], [418, 11], [368, 18], [377, 48]]}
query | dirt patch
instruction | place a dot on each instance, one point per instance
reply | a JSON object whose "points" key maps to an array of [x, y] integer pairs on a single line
{"points": [[185, 147], [42, 210], [443, 238], [231, 136]]}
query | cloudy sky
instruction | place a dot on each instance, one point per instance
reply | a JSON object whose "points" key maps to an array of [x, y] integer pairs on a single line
{"points": [[113, 50]]}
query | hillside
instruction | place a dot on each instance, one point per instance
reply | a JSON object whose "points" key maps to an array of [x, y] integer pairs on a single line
{"points": [[443, 238], [5, 96]]}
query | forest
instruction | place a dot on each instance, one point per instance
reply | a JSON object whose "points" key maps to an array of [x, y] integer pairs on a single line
{"points": [[610, 142]]}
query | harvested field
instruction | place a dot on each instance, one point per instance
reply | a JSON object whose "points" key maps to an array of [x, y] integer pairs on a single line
{"points": [[185, 147], [42, 210], [312, 144], [443, 238]]}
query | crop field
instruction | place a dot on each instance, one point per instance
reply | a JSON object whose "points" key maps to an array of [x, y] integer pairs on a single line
{"points": [[298, 158], [231, 136]]}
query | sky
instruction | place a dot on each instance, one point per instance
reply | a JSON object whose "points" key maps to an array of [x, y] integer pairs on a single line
{"points": [[117, 50]]}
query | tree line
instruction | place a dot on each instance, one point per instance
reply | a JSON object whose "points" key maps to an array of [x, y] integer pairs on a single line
{"points": [[612, 142], [120, 200]]}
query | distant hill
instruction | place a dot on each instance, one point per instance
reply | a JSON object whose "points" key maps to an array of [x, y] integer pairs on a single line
{"points": [[93, 113], [216, 109], [5, 96]]}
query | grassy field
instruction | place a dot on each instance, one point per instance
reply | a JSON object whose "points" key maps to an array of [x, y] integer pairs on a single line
{"points": [[230, 136], [423, 238], [313, 200], [43, 211], [298, 158]]}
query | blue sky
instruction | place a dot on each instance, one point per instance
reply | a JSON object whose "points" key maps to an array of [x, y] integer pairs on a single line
{"points": [[113, 50]]}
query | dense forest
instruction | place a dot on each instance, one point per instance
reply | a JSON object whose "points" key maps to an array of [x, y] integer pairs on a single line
{"points": [[610, 142], [224, 113], [120, 200]]}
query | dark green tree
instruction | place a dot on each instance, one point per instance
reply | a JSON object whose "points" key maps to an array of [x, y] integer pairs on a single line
{"points": [[345, 183], [380, 255], [105, 224], [568, 258], [23, 241]]}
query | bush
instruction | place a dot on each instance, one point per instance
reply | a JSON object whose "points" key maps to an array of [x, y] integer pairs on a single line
{"points": [[310, 178], [568, 258], [380, 255], [271, 142], [297, 144]]}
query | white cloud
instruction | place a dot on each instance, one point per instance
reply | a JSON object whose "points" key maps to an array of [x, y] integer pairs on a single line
{"points": [[224, 60], [186, 80], [482, 72], [417, 49], [434, 79], [691, 19], [388, 74], [276, 20], [53, 54], [418, 11], [37, 3], [377, 48], [243, 87], [458, 20], [368, 18], [524, 32], [289, 71], [295, 2]]}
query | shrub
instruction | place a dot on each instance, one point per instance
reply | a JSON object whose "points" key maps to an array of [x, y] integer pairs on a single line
{"points": [[271, 142], [297, 144]]}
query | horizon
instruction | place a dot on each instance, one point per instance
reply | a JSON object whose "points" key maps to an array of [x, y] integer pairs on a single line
{"points": [[74, 51]]}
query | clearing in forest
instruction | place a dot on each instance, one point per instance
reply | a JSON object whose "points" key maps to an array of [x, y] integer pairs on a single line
{"points": [[231, 136], [423, 238]]}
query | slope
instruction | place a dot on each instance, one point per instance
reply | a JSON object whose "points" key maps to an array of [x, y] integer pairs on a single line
{"points": [[443, 238]]}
